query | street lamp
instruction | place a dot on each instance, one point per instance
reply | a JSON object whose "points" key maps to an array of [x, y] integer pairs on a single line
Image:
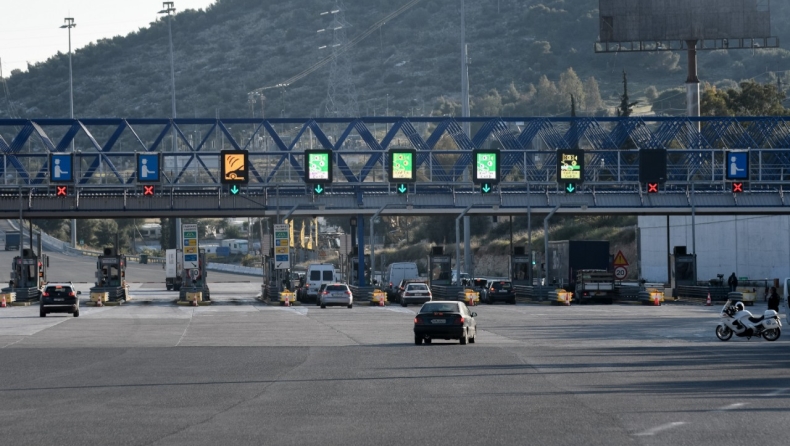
{"points": [[169, 8], [68, 24]]}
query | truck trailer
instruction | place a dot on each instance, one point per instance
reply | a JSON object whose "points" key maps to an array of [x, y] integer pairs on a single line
{"points": [[174, 269], [568, 259]]}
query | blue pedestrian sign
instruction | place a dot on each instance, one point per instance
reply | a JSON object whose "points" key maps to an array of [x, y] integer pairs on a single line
{"points": [[61, 168], [737, 165], [148, 167]]}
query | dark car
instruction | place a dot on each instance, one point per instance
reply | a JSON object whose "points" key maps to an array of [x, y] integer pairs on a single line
{"points": [[60, 298], [500, 290], [445, 320]]}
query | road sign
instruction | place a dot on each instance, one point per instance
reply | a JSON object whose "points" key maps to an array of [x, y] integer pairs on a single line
{"points": [[737, 165], [570, 188], [652, 188], [486, 188], [318, 167], [319, 189], [570, 166], [149, 191], [61, 168], [620, 272], [194, 273], [281, 242], [235, 167], [402, 166], [234, 190], [485, 166], [653, 166], [189, 235], [62, 191], [148, 166], [737, 188], [619, 259], [402, 188]]}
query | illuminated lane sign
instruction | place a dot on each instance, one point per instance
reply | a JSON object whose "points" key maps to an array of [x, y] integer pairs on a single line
{"points": [[62, 191], [148, 165], [485, 166], [318, 165], [737, 188], [570, 166], [652, 188], [235, 167], [149, 191], [402, 165]]}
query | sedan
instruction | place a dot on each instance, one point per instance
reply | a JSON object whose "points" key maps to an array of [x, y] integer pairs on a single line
{"points": [[500, 290], [415, 293], [336, 294], [445, 320]]}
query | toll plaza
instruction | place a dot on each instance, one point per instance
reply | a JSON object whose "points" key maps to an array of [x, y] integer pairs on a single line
{"points": [[110, 286], [520, 267], [28, 274], [353, 267]]}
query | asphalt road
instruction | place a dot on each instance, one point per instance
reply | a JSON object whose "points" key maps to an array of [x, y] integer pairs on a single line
{"points": [[242, 372]]}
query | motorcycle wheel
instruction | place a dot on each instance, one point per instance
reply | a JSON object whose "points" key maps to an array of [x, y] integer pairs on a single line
{"points": [[723, 333], [772, 334]]}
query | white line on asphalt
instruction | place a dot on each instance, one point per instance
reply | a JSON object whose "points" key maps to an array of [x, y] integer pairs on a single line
{"points": [[777, 392], [730, 407], [400, 310], [658, 429]]}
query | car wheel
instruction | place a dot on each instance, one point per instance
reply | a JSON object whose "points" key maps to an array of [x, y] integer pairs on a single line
{"points": [[427, 340], [350, 305], [77, 313], [402, 303], [417, 339], [42, 313], [323, 306], [464, 337]]}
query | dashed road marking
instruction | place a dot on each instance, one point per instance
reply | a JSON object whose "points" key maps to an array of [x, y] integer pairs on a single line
{"points": [[663, 427], [777, 392]]}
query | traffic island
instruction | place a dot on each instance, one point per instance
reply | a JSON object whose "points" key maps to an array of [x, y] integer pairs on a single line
{"points": [[379, 299]]}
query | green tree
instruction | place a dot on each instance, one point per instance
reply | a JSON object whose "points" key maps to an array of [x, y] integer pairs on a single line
{"points": [[750, 99]]}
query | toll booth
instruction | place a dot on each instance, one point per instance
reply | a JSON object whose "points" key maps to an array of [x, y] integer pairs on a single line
{"points": [[683, 269], [195, 281], [111, 276], [28, 276], [520, 267], [440, 271], [353, 268]]}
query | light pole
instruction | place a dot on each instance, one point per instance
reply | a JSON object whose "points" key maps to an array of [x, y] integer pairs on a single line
{"points": [[68, 24], [168, 8]]}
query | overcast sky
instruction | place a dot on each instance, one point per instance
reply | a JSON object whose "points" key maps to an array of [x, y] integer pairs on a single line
{"points": [[29, 30]]}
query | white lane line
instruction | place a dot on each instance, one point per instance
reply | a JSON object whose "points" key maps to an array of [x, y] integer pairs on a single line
{"points": [[777, 392], [730, 407], [663, 427]]}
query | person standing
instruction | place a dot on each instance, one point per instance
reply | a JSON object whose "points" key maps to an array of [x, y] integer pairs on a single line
{"points": [[733, 282], [773, 300]]}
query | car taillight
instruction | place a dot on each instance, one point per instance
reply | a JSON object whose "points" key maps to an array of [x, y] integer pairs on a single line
{"points": [[71, 294], [348, 293], [491, 290], [461, 320], [326, 292], [45, 294], [307, 286], [390, 284], [417, 321]]}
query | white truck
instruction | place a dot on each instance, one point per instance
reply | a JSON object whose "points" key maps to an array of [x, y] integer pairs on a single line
{"points": [[174, 268], [236, 246]]}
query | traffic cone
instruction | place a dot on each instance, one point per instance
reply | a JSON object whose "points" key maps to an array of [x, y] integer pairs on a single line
{"points": [[3, 305], [656, 300], [381, 301], [194, 302], [287, 302], [99, 303], [708, 302]]}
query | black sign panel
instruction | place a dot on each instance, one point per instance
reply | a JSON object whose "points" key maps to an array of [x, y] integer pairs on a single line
{"points": [[653, 166]]}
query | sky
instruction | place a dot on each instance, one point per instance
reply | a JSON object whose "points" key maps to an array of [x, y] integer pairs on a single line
{"points": [[30, 30]]}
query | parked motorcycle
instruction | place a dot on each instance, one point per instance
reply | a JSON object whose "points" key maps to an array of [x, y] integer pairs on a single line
{"points": [[738, 321]]}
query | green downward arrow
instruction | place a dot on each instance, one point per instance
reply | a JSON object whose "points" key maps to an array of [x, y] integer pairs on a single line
{"points": [[234, 190], [402, 188], [570, 188], [486, 188], [318, 189]]}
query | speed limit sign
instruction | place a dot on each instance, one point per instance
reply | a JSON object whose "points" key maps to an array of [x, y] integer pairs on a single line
{"points": [[620, 272]]}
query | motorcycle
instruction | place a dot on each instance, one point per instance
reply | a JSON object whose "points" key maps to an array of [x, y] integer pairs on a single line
{"points": [[740, 322]]}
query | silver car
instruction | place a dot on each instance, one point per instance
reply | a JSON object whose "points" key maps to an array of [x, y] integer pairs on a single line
{"points": [[336, 294]]}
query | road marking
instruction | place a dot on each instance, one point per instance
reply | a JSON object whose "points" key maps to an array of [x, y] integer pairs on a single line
{"points": [[777, 392], [400, 310], [661, 428], [730, 407]]}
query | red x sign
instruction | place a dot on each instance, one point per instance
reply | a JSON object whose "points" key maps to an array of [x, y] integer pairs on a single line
{"points": [[737, 188], [62, 191], [652, 188], [148, 191]]}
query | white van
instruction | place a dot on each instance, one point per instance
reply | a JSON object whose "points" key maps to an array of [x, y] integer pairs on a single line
{"points": [[317, 275], [396, 272]]}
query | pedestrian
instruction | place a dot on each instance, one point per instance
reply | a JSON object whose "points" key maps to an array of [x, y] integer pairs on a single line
{"points": [[733, 282], [773, 300]]}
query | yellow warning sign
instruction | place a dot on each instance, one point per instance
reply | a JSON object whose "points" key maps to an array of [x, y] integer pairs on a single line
{"points": [[282, 242], [619, 259], [234, 166], [190, 250], [281, 250]]}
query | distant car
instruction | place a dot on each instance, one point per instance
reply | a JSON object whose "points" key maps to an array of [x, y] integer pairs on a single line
{"points": [[336, 294], [445, 320], [402, 287], [500, 290], [60, 298], [415, 293]]}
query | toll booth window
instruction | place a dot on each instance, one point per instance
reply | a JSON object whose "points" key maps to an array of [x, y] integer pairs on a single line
{"points": [[328, 276], [32, 271], [315, 275]]}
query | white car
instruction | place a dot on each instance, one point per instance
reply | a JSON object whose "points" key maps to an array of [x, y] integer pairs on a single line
{"points": [[415, 293], [336, 294]]}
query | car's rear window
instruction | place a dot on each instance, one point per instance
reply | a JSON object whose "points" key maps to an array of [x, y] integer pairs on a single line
{"points": [[417, 287], [502, 285], [328, 275], [58, 292], [315, 275], [441, 308], [336, 288]]}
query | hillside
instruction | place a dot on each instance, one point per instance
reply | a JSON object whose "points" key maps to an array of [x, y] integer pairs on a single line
{"points": [[408, 65]]}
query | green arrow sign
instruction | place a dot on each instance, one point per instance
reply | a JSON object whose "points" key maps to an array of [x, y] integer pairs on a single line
{"points": [[570, 188], [318, 189], [486, 188], [402, 189], [235, 190]]}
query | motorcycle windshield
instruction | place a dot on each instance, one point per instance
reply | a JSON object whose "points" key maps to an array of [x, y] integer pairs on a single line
{"points": [[727, 306]]}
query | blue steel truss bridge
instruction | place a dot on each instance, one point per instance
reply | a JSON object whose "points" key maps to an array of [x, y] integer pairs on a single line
{"points": [[104, 153]]}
